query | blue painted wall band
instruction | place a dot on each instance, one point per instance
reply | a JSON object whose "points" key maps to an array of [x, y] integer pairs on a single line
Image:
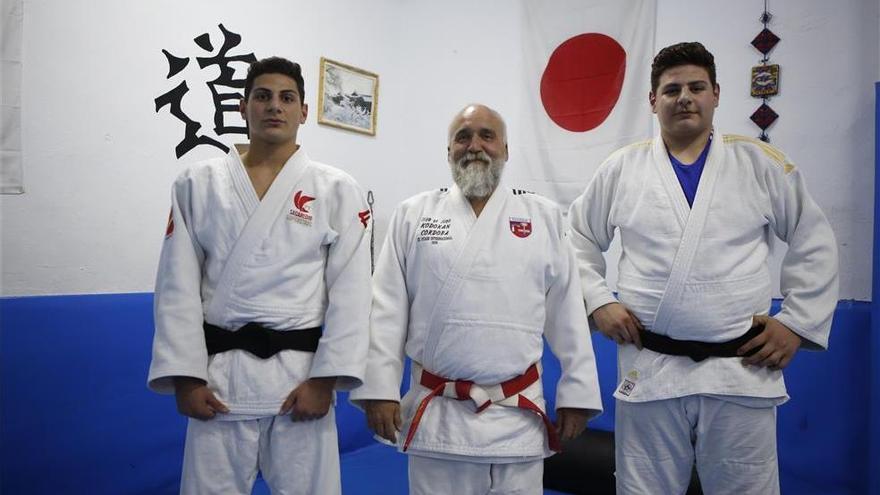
{"points": [[73, 399], [874, 433]]}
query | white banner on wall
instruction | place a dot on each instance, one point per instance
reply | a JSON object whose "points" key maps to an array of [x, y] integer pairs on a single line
{"points": [[11, 16], [587, 65]]}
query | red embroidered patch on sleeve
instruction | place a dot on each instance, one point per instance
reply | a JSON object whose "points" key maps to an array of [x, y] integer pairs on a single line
{"points": [[169, 229], [364, 216]]}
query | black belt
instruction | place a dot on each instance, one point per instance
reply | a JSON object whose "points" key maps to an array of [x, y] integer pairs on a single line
{"points": [[259, 340], [697, 350]]}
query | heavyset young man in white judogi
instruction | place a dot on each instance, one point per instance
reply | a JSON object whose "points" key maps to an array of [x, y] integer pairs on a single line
{"points": [[700, 360], [469, 281], [262, 302]]}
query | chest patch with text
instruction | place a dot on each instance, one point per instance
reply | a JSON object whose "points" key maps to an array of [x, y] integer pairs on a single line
{"points": [[300, 210], [434, 229]]}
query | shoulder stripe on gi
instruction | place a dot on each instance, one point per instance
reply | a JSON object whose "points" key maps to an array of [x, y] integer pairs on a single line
{"points": [[768, 150], [638, 144]]}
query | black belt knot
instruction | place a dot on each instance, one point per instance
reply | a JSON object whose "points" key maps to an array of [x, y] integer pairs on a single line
{"points": [[259, 340], [697, 350]]}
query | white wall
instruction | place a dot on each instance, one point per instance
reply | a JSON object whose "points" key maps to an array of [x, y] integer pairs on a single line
{"points": [[829, 64], [99, 160]]}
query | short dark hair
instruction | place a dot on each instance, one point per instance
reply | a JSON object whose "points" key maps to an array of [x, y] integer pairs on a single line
{"points": [[275, 65], [688, 53]]}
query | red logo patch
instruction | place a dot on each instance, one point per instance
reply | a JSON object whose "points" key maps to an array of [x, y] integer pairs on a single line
{"points": [[169, 229], [300, 201], [521, 227], [300, 211], [364, 216]]}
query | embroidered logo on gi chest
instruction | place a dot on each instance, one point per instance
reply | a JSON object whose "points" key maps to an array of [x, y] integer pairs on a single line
{"points": [[521, 227], [300, 211], [434, 229]]}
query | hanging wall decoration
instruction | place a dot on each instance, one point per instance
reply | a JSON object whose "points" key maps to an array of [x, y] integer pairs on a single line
{"points": [[372, 219], [765, 77]]}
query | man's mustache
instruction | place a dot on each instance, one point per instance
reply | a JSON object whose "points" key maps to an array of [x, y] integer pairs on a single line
{"points": [[479, 156]]}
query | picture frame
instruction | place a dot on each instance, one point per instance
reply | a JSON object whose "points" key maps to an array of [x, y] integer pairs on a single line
{"points": [[347, 97]]}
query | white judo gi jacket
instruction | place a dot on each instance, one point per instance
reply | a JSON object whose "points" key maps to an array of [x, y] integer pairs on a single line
{"points": [[469, 298], [298, 258], [701, 273]]}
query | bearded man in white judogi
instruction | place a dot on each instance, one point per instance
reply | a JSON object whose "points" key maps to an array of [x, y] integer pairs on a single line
{"points": [[700, 360], [262, 302], [468, 282]]}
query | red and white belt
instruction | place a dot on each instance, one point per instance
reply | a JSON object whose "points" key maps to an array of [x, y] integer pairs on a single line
{"points": [[507, 394]]}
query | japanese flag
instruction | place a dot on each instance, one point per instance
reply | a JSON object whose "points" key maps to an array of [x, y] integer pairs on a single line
{"points": [[588, 65]]}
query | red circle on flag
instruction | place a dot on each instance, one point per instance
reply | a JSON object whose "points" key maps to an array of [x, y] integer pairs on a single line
{"points": [[582, 81]]}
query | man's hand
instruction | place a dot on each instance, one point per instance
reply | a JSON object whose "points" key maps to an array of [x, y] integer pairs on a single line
{"points": [[383, 417], [779, 344], [618, 323], [310, 400], [570, 422], [195, 399]]}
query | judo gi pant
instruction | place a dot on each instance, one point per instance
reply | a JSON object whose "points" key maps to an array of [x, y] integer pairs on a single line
{"points": [[657, 443], [295, 458], [429, 476]]}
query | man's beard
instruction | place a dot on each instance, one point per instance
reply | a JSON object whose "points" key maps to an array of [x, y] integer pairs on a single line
{"points": [[476, 180]]}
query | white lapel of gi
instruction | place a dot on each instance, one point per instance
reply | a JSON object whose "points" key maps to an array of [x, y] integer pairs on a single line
{"points": [[692, 219], [261, 215], [480, 230]]}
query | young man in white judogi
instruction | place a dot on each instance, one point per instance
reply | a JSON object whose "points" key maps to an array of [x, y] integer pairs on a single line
{"points": [[700, 360], [262, 302], [469, 281]]}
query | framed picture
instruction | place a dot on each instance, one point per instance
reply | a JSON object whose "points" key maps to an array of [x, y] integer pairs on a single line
{"points": [[347, 97]]}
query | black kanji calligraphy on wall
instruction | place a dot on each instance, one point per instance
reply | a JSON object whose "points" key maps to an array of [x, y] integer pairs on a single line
{"points": [[223, 89]]}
